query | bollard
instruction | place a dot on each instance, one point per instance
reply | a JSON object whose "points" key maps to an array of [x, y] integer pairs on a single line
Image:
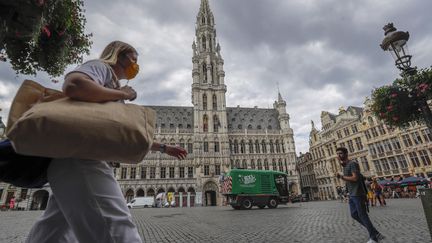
{"points": [[426, 198]]}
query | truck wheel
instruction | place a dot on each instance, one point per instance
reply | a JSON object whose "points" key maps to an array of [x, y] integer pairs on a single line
{"points": [[246, 203], [273, 203], [261, 206]]}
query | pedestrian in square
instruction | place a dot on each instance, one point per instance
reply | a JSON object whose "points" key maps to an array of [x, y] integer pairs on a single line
{"points": [[12, 203], [357, 192], [87, 204]]}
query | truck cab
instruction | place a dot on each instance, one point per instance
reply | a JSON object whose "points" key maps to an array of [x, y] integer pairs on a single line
{"points": [[247, 188]]}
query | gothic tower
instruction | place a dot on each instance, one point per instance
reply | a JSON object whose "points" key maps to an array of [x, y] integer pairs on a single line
{"points": [[208, 96], [283, 117]]}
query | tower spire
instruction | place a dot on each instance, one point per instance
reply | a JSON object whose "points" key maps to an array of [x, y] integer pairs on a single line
{"points": [[205, 7], [207, 58]]}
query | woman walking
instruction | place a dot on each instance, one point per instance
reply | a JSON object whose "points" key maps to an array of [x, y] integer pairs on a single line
{"points": [[87, 204]]}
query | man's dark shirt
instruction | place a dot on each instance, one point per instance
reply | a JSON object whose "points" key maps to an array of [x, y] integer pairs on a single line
{"points": [[354, 188]]}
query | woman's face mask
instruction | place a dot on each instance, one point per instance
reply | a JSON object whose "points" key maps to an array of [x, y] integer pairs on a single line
{"points": [[132, 69]]}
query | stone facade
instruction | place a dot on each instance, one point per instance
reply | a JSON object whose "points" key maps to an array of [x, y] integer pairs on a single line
{"points": [[381, 151], [308, 182]]}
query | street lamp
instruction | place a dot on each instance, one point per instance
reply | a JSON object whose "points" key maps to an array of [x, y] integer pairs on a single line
{"points": [[396, 42]]}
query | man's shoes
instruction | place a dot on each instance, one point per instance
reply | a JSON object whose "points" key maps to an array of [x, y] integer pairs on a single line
{"points": [[379, 237]]}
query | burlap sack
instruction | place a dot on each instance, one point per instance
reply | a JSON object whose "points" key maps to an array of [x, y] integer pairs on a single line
{"points": [[65, 128], [29, 94]]}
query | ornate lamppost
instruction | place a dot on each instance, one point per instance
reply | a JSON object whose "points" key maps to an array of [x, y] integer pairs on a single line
{"points": [[397, 43]]}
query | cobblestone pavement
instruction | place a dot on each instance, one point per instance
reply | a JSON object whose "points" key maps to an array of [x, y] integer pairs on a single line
{"points": [[401, 221]]}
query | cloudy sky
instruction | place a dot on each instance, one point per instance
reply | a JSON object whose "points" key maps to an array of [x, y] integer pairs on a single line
{"points": [[323, 53]]}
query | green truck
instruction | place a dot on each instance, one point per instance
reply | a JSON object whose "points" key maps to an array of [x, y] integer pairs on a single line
{"points": [[247, 188]]}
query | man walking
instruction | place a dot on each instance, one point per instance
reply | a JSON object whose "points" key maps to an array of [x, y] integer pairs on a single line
{"points": [[357, 192]]}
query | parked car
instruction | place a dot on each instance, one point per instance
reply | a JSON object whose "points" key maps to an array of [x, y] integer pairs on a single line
{"points": [[141, 202]]}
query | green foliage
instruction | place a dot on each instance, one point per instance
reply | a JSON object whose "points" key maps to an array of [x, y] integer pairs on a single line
{"points": [[45, 35], [399, 104]]}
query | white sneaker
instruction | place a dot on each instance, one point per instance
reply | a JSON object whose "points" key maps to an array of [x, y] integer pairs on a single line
{"points": [[371, 241]]}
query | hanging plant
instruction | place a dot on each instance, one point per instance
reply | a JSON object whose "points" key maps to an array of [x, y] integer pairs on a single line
{"points": [[399, 104], [57, 40]]}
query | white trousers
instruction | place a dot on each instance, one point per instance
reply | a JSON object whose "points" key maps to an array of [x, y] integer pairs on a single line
{"points": [[86, 206]]}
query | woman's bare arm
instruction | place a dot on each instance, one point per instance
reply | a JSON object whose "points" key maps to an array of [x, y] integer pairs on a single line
{"points": [[81, 87]]}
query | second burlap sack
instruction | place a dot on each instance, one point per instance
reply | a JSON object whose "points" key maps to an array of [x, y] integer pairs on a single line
{"points": [[66, 128]]}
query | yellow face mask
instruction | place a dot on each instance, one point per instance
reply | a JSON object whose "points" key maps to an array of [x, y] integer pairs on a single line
{"points": [[132, 70]]}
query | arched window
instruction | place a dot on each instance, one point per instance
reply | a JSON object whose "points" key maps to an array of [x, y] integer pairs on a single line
{"points": [[240, 126], [204, 101], [205, 123], [259, 127], [203, 20], [250, 126], [206, 146], [252, 164], [231, 146], [216, 147], [277, 146], [271, 147], [214, 102], [242, 147], [215, 123], [203, 40], [274, 164], [257, 147], [244, 164], [204, 72], [280, 165], [264, 147], [259, 164], [266, 164], [251, 150], [214, 74], [236, 147], [269, 127], [190, 146], [237, 163]]}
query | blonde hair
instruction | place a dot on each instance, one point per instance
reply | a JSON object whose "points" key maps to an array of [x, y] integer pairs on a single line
{"points": [[113, 50]]}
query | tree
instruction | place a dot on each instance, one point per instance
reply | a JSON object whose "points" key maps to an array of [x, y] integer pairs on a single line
{"points": [[42, 35]]}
